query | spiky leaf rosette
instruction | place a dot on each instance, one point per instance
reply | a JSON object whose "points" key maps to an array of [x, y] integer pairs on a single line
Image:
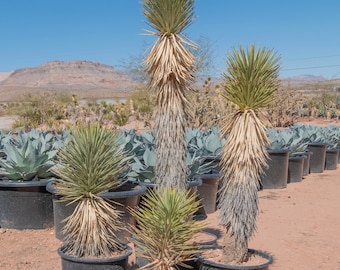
{"points": [[89, 165], [251, 82], [164, 235], [170, 66]]}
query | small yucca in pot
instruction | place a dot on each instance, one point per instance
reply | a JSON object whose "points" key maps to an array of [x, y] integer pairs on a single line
{"points": [[165, 231], [89, 165]]}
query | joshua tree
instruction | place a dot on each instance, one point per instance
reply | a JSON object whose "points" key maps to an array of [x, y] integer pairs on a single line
{"points": [[250, 82], [170, 66]]}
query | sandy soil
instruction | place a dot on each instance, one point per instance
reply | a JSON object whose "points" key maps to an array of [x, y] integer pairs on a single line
{"points": [[299, 225]]}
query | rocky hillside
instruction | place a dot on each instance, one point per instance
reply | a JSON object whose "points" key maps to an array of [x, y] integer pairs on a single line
{"points": [[84, 78]]}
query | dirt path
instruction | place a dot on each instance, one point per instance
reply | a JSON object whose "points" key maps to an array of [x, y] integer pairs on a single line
{"points": [[6, 122], [300, 225]]}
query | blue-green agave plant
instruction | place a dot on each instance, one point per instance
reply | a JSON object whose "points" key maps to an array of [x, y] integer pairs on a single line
{"points": [[142, 150], [28, 156]]}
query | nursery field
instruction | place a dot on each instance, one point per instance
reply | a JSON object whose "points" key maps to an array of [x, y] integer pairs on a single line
{"points": [[298, 225]]}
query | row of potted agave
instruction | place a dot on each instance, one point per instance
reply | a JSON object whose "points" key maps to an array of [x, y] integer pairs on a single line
{"points": [[66, 163], [17, 149], [28, 156], [299, 150], [26, 159]]}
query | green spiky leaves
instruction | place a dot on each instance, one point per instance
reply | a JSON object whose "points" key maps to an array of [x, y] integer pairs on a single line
{"points": [[90, 163], [164, 235], [169, 16], [251, 78]]}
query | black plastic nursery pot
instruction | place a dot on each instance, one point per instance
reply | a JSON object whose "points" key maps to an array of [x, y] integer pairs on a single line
{"points": [[295, 168], [207, 191], [318, 159], [332, 158], [25, 205], [209, 240], [206, 264], [119, 262], [306, 163], [276, 175], [127, 196]]}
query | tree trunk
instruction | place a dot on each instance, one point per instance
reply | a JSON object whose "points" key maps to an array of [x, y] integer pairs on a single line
{"points": [[171, 168], [233, 251]]}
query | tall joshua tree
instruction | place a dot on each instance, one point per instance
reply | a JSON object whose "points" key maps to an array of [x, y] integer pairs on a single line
{"points": [[250, 82], [170, 66]]}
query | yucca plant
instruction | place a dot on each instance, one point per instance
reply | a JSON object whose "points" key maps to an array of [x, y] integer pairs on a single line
{"points": [[250, 82], [165, 231], [89, 165], [170, 66]]}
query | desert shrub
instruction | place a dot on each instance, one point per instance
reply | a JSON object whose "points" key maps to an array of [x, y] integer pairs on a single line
{"points": [[285, 109], [121, 114], [35, 110], [207, 109], [142, 103]]}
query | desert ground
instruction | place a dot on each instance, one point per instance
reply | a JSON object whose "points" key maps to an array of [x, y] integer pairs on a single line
{"points": [[298, 225]]}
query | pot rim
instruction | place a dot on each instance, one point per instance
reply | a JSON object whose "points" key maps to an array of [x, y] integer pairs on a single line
{"points": [[191, 183], [127, 252], [238, 267], [33, 183], [297, 157], [278, 151], [110, 194]]}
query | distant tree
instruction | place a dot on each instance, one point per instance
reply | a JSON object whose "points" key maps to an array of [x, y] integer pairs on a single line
{"points": [[204, 56]]}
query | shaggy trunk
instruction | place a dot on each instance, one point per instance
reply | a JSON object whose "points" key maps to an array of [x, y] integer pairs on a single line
{"points": [[91, 230], [233, 251], [170, 67], [242, 224], [242, 164], [170, 122]]}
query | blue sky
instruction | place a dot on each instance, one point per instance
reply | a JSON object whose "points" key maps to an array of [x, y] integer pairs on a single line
{"points": [[306, 33]]}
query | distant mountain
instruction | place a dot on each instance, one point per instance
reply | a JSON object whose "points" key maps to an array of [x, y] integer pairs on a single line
{"points": [[301, 79], [4, 75], [92, 80], [84, 78]]}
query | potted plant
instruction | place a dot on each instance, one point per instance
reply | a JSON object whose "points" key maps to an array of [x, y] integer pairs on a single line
{"points": [[142, 166], [276, 173], [127, 195], [332, 137], [208, 144], [88, 166], [315, 137], [297, 154], [164, 237], [251, 82], [26, 160]]}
